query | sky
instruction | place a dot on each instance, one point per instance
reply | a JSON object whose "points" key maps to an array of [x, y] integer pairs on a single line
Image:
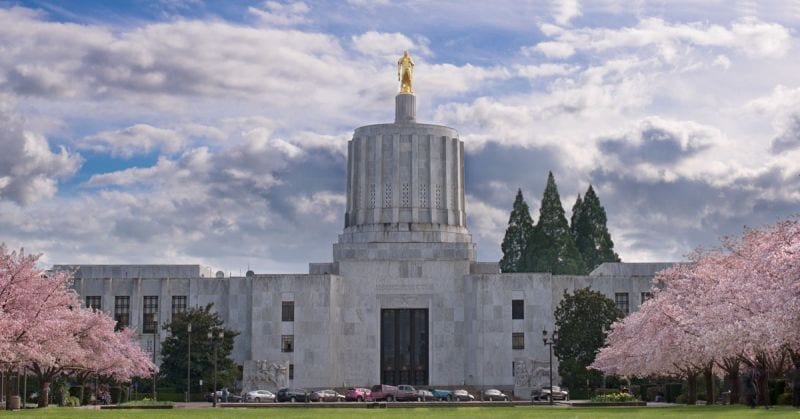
{"points": [[186, 131]]}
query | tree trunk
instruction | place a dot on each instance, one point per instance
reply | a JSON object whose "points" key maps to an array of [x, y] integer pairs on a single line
{"points": [[736, 388], [708, 376], [691, 384], [44, 391], [763, 390]]}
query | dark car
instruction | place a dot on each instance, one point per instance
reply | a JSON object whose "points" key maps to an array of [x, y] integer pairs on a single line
{"points": [[221, 397], [326, 396], [558, 393], [358, 394], [291, 395], [494, 395]]}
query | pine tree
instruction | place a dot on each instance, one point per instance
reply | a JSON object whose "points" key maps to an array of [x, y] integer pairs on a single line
{"points": [[552, 248], [590, 232], [518, 233]]}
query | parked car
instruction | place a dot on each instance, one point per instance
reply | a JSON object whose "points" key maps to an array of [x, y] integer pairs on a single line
{"points": [[358, 394], [494, 395], [425, 395], [326, 396], [408, 393], [443, 395], [292, 395], [463, 396], [558, 393], [259, 396], [235, 398], [384, 392]]}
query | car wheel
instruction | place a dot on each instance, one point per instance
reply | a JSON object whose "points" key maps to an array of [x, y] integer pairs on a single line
{"points": [[360, 399], [292, 400], [505, 399], [258, 399], [449, 398], [389, 398]]}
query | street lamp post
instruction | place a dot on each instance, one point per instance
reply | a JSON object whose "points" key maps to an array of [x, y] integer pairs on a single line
{"points": [[155, 342], [188, 362], [550, 341], [214, 343]]}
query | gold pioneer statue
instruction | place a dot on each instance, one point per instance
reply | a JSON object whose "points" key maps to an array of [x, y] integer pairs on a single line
{"points": [[405, 73]]}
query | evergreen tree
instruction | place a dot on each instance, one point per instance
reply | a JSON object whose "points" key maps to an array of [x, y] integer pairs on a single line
{"points": [[175, 347], [590, 232], [518, 233], [552, 248], [580, 320]]}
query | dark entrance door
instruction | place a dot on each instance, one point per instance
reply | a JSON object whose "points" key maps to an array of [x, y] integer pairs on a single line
{"points": [[404, 346]]}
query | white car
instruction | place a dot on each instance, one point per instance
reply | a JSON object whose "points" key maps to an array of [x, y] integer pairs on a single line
{"points": [[259, 396]]}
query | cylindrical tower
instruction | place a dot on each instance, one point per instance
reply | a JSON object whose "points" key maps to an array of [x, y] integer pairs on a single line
{"points": [[405, 182]]}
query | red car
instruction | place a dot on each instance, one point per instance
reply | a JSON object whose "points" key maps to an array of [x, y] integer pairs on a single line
{"points": [[358, 394], [385, 392]]}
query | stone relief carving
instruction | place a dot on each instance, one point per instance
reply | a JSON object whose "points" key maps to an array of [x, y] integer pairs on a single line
{"points": [[263, 374]]}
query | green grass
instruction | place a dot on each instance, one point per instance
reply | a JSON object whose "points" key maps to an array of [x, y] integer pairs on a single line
{"points": [[698, 412]]}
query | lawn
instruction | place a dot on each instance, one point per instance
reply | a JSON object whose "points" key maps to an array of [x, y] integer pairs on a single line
{"points": [[699, 412]]}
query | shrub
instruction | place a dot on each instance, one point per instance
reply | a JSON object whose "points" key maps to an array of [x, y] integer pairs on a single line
{"points": [[785, 398], [72, 401], [681, 399], [614, 398]]}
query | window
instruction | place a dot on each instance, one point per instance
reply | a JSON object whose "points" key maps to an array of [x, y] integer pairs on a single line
{"points": [[287, 311], [517, 309], [150, 314], [291, 371], [122, 311], [287, 343], [94, 302], [646, 296], [178, 304], [621, 298], [517, 341]]}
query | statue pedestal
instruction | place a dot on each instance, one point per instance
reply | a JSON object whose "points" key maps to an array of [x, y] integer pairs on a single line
{"points": [[405, 108]]}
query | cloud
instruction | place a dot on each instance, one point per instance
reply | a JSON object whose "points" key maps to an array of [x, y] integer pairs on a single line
{"points": [[748, 36], [29, 170], [280, 14], [136, 139], [565, 10], [789, 138]]}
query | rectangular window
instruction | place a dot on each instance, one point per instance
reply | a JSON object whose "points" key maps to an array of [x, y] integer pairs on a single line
{"points": [[646, 296], [94, 302], [621, 298], [150, 314], [178, 304], [291, 371], [517, 309], [287, 311], [517, 341], [287, 343], [122, 311]]}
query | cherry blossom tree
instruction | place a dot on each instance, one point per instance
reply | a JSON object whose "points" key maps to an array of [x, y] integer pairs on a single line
{"points": [[43, 328], [736, 304]]}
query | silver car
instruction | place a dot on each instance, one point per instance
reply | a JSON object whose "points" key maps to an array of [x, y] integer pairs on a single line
{"points": [[259, 396], [463, 396]]}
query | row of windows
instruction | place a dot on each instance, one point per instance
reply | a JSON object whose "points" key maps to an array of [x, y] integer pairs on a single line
{"points": [[623, 303], [122, 312], [122, 309]]}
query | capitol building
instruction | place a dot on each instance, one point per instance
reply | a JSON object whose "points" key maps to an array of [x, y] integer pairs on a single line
{"points": [[403, 299]]}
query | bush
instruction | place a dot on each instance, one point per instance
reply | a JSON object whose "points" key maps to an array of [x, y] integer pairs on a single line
{"points": [[673, 390], [614, 398], [681, 399], [784, 399], [72, 401]]}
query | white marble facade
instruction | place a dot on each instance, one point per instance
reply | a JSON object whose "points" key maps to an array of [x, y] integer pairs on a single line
{"points": [[405, 245]]}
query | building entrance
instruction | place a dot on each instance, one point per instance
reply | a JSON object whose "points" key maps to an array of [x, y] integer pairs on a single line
{"points": [[404, 346]]}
